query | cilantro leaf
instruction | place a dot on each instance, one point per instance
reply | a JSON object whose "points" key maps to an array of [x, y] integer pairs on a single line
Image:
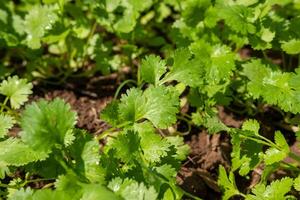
{"points": [[167, 171], [37, 22], [154, 147], [22, 194], [6, 123], [130, 189], [185, 66], [157, 104], [252, 126], [17, 90], [126, 146], [297, 183], [152, 68], [161, 105], [97, 191], [182, 149], [275, 87], [13, 152], [246, 154], [109, 113], [85, 152], [227, 184], [46, 124], [238, 18], [291, 46], [276, 190], [273, 154]]}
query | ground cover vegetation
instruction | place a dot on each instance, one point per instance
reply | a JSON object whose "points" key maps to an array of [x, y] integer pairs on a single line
{"points": [[183, 75]]}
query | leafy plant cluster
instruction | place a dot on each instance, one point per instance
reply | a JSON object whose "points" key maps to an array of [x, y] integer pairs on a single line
{"points": [[58, 39], [136, 162], [197, 64]]}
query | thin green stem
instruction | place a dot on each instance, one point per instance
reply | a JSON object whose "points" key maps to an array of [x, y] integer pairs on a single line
{"points": [[110, 130], [188, 123], [289, 166], [255, 140], [294, 157], [190, 195], [8, 186], [36, 180], [4, 104], [122, 85]]}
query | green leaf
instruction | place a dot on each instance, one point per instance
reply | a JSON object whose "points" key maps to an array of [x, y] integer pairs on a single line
{"points": [[48, 194], [152, 68], [46, 124], [161, 105], [297, 183], [85, 153], [281, 142], [157, 104], [17, 90], [276, 190], [154, 146], [38, 21], [227, 184], [251, 125], [130, 189], [97, 191], [6, 123], [273, 154], [291, 46], [126, 146], [185, 66], [109, 113], [246, 154], [182, 149], [275, 87], [69, 184], [13, 152], [132, 106], [237, 18], [22, 194], [167, 171]]}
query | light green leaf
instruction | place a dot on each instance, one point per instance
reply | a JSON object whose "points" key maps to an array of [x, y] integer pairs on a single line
{"points": [[185, 66], [276, 190], [251, 125], [17, 90], [157, 104], [291, 47], [273, 155], [22, 194], [297, 183], [46, 124], [126, 146], [13, 152], [130, 189], [97, 191], [152, 68], [6, 123], [182, 149], [38, 21], [227, 184]]}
